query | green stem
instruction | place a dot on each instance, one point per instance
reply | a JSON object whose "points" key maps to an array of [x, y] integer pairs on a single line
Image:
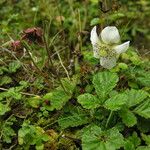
{"points": [[109, 118]]}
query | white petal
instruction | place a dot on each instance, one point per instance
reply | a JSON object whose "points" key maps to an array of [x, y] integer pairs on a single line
{"points": [[122, 48], [110, 35], [95, 42], [108, 63], [94, 37], [96, 51]]}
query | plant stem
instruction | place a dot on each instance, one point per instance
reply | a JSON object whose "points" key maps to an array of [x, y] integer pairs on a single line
{"points": [[109, 118], [3, 89], [28, 49], [52, 64], [62, 64]]}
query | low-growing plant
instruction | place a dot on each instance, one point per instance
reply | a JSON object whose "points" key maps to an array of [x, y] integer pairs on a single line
{"points": [[58, 94]]}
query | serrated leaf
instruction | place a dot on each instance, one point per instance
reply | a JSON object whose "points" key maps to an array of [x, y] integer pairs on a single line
{"points": [[94, 138], [128, 118], [8, 133], [135, 97], [143, 148], [145, 81], [88, 101], [14, 66], [5, 80], [116, 102], [146, 138], [73, 120], [144, 109], [104, 82], [3, 109], [59, 97], [132, 142]]}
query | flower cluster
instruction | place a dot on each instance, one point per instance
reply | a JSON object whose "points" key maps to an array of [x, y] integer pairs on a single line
{"points": [[105, 46]]}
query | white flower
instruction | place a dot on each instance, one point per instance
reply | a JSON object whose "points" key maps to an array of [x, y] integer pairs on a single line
{"points": [[106, 46]]}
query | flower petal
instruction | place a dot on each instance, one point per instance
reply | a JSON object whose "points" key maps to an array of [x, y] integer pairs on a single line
{"points": [[96, 51], [107, 62], [94, 37], [95, 42], [122, 48], [110, 35]]}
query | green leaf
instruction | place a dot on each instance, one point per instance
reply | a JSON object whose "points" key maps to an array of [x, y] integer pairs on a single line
{"points": [[31, 135], [95, 21], [143, 109], [3, 109], [7, 131], [146, 138], [135, 97], [143, 124], [94, 138], [104, 82], [14, 66], [73, 120], [88, 101], [132, 142], [34, 101], [145, 81], [59, 97], [116, 102], [5, 80], [128, 118], [143, 148]]}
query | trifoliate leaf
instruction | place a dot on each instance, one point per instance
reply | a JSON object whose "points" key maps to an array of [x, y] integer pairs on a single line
{"points": [[104, 82], [128, 118], [94, 138], [144, 109], [116, 102], [135, 97], [88, 101]]}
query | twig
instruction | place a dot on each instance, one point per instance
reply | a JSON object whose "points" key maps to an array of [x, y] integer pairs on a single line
{"points": [[24, 93], [62, 64], [52, 64], [28, 49]]}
